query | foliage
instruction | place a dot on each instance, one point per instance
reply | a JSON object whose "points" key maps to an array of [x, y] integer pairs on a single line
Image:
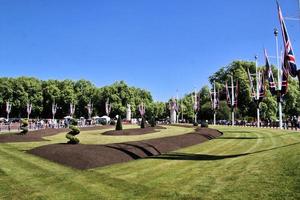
{"points": [[41, 94], [24, 126], [291, 106], [195, 124], [152, 121], [119, 124], [73, 122], [71, 135], [204, 125]]}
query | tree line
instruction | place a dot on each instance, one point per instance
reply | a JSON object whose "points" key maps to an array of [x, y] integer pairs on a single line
{"points": [[42, 93]]}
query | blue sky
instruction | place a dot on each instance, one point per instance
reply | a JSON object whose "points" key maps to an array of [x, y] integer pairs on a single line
{"points": [[158, 45]]}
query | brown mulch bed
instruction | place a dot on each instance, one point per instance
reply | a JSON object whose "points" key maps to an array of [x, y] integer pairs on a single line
{"points": [[38, 135], [134, 131], [82, 156]]}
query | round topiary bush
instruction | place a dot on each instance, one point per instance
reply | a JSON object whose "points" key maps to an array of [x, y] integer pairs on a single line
{"points": [[119, 124], [204, 125], [71, 135], [24, 126], [195, 124]]}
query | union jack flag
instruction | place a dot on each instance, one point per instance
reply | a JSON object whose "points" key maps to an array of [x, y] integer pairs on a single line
{"points": [[269, 74], [261, 86], [196, 101], [289, 58], [229, 99], [284, 80], [214, 101]]}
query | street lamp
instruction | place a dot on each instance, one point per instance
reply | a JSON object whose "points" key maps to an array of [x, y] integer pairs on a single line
{"points": [[278, 79]]}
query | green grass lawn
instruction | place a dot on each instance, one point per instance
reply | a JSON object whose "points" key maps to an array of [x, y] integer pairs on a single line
{"points": [[245, 163]]}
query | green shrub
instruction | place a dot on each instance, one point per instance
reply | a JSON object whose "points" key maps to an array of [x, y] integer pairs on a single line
{"points": [[119, 124], [73, 122], [24, 126], [112, 122], [195, 124], [204, 125], [153, 121], [143, 122], [71, 135]]}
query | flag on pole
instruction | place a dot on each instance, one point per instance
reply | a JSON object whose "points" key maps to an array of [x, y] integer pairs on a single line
{"points": [[251, 83], [269, 75], [236, 94], [211, 100], [289, 58], [284, 80], [214, 101], [218, 100], [261, 86], [227, 95]]}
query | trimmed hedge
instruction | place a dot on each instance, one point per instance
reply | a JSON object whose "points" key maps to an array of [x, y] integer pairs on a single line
{"points": [[204, 125], [24, 127], [71, 135], [119, 126]]}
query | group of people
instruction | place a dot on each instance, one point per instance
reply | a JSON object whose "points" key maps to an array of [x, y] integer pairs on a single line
{"points": [[36, 124]]}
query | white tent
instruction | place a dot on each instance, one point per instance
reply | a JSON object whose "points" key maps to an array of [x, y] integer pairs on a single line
{"points": [[68, 117], [105, 117]]}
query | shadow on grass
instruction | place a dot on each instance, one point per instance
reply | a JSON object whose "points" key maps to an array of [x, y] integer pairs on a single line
{"points": [[187, 156], [239, 138], [239, 131], [253, 137]]}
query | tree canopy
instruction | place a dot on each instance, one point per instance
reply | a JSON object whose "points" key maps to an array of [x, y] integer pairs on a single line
{"points": [[43, 93]]}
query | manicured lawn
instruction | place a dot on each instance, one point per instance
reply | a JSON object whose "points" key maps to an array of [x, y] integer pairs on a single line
{"points": [[245, 163]]}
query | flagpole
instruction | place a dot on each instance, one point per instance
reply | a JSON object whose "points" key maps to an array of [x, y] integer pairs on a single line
{"points": [[177, 104], [214, 103], [232, 101], [278, 79], [257, 92], [195, 106]]}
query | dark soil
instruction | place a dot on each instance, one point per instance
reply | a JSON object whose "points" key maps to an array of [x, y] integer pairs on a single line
{"points": [[38, 135], [134, 131], [82, 156]]}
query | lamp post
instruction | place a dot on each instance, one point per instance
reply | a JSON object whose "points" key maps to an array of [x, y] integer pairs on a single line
{"points": [[257, 76], [215, 103], [279, 100], [232, 100]]}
